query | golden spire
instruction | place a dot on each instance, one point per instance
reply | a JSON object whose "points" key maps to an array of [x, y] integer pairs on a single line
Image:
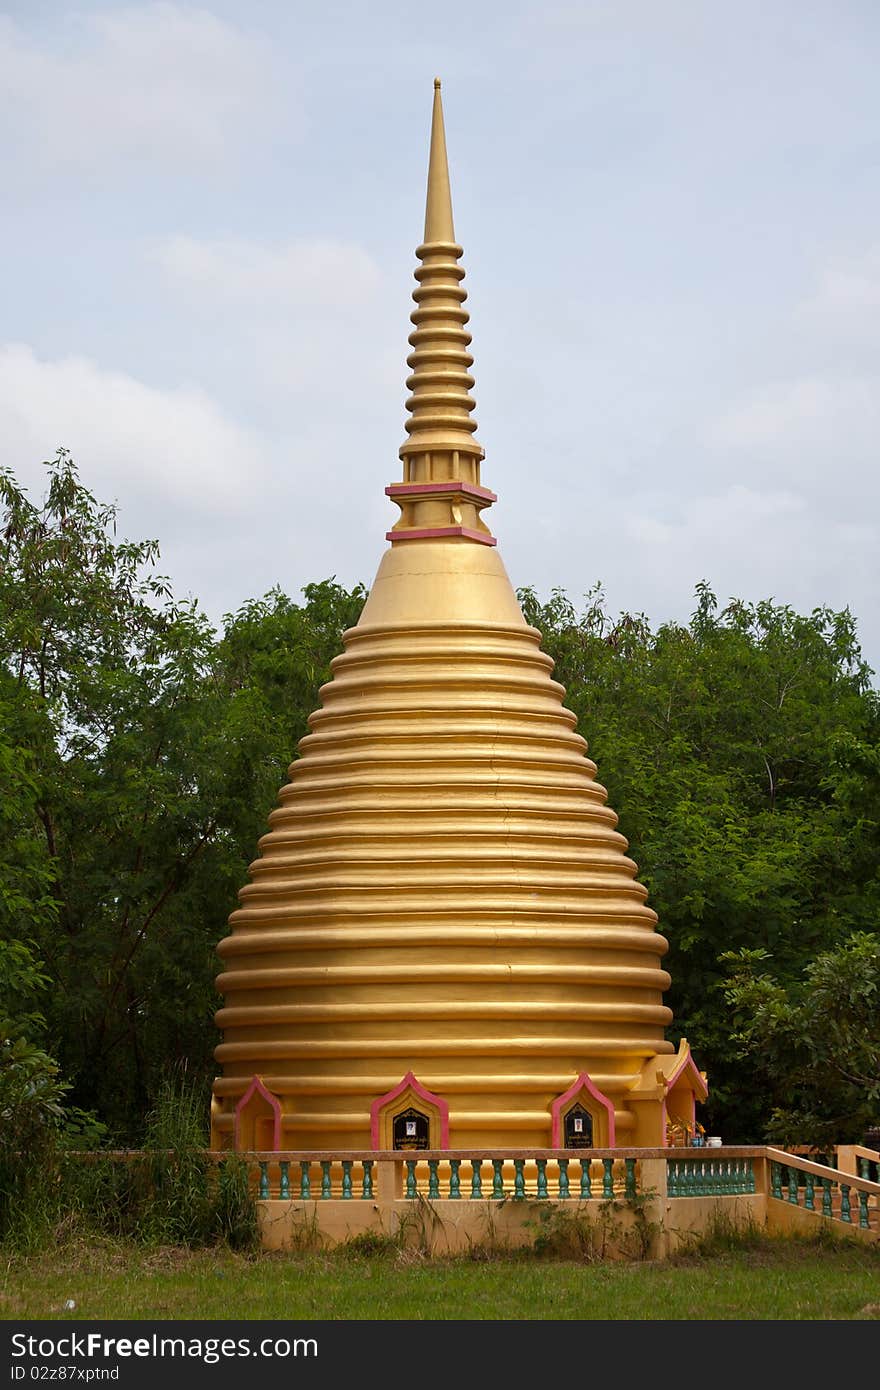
{"points": [[438, 204], [442, 892], [440, 494]]}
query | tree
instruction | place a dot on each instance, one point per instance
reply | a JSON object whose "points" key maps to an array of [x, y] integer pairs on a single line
{"points": [[813, 1044], [153, 750], [741, 753]]}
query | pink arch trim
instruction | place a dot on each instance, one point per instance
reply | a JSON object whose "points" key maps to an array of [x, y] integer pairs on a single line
{"points": [[256, 1087], [687, 1063], [409, 1082], [583, 1083]]}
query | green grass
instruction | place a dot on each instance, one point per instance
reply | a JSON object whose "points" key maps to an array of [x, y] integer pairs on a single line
{"points": [[767, 1279]]}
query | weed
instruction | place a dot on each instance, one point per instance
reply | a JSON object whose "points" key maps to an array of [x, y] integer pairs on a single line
{"points": [[235, 1212], [370, 1245], [619, 1226], [492, 1245], [725, 1230], [306, 1236], [168, 1195], [419, 1228]]}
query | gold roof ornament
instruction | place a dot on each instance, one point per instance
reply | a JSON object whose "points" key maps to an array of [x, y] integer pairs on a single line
{"points": [[443, 918]]}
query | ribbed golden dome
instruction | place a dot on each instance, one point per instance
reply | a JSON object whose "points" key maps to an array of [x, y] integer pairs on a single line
{"points": [[443, 891]]}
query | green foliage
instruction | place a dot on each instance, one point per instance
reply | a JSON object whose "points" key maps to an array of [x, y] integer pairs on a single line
{"points": [[618, 1228], [742, 755], [370, 1245], [813, 1042], [140, 753], [168, 1194]]}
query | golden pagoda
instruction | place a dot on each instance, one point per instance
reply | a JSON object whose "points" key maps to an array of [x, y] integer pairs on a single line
{"points": [[443, 943]]}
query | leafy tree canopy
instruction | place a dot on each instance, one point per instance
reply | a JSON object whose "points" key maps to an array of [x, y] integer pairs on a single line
{"points": [[741, 752]]}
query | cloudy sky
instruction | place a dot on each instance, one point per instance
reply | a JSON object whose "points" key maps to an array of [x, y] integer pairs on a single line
{"points": [[670, 211]]}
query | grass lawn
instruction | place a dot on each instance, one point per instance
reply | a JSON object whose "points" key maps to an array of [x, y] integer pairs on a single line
{"points": [[769, 1279]]}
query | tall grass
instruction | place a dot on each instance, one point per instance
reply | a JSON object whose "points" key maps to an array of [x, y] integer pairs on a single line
{"points": [[169, 1194]]}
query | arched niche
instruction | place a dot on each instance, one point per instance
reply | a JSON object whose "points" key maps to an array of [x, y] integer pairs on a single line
{"points": [[409, 1116], [258, 1119], [583, 1099]]}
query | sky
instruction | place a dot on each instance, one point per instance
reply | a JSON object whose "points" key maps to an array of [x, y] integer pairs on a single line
{"points": [[670, 215]]}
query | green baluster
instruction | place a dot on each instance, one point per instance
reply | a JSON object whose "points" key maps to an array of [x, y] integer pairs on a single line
{"points": [[367, 1190], [285, 1179], [542, 1176], [433, 1179], [826, 1196], [607, 1177], [326, 1185], [863, 1211], [476, 1180], [750, 1174], [454, 1181], [346, 1179], [728, 1178], [497, 1177], [672, 1177], [305, 1185], [264, 1181], [564, 1190], [519, 1182], [809, 1187], [865, 1168], [793, 1186], [687, 1177], [630, 1177], [412, 1189], [845, 1211], [776, 1179], [586, 1186]]}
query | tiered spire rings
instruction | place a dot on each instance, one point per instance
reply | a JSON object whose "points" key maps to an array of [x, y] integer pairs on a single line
{"points": [[440, 494]]}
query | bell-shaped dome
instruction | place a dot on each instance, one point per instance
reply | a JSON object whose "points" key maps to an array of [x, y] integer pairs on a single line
{"points": [[443, 897]]}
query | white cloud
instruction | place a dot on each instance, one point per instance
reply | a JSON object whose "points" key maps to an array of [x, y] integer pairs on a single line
{"points": [[816, 435], [813, 414], [164, 451], [163, 83], [751, 544], [313, 273], [852, 286]]}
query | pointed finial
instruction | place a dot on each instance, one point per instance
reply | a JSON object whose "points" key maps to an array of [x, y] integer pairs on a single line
{"points": [[438, 205]]}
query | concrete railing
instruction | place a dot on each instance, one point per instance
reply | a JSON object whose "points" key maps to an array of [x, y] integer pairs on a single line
{"points": [[674, 1193]]}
